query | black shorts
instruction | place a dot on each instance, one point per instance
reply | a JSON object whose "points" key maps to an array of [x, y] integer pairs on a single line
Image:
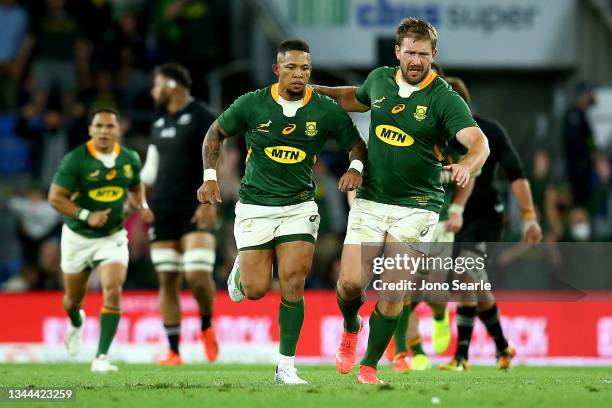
{"points": [[486, 228], [172, 225]]}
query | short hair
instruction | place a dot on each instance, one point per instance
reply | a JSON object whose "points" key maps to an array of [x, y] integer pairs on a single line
{"points": [[419, 29], [293, 45], [112, 111], [174, 71], [459, 86]]}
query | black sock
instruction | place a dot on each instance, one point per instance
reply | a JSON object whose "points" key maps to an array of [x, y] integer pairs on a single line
{"points": [[173, 331], [490, 318], [465, 327], [205, 322]]}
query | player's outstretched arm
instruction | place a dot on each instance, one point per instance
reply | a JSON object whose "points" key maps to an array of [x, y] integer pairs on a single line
{"points": [[352, 179], [209, 192], [478, 151], [344, 96], [59, 199], [138, 200]]}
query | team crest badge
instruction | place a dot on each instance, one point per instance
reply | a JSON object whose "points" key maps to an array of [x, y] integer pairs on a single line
{"points": [[311, 128], [420, 112], [127, 171]]}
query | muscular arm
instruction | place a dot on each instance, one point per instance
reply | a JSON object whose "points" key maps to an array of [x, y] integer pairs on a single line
{"points": [[211, 147], [59, 199], [358, 151], [478, 148], [209, 192], [344, 96]]}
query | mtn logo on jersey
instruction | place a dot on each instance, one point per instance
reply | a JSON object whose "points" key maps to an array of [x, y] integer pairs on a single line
{"points": [[420, 112], [285, 154], [393, 136], [106, 194]]}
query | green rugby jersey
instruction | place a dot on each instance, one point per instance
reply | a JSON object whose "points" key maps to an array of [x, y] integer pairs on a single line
{"points": [[95, 187], [281, 149], [453, 153], [407, 136]]}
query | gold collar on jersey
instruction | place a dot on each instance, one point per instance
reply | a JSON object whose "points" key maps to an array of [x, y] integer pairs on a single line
{"points": [[305, 100], [92, 149], [424, 83]]}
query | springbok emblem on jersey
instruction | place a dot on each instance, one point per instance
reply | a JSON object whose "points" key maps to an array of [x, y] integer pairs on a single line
{"points": [[264, 127], [377, 102]]}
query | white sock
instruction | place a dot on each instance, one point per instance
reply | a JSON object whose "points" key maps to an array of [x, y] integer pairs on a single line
{"points": [[285, 361]]}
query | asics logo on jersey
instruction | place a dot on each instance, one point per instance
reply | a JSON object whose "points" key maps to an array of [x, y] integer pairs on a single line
{"points": [[106, 194], [393, 136], [287, 130], [111, 174], [420, 112], [285, 154], [377, 102], [264, 127], [398, 108]]}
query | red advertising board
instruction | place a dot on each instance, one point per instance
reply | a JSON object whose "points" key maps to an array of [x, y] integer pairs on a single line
{"points": [[538, 329]]}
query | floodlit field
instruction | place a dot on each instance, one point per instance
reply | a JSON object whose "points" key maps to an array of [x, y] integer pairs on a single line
{"points": [[223, 385]]}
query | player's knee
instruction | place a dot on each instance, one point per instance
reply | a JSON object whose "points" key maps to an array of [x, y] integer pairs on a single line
{"points": [[112, 294], [295, 277], [72, 302], [349, 289], [254, 291]]}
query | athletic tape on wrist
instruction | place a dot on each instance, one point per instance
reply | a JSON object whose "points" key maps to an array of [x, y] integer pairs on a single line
{"points": [[456, 209], [83, 214], [357, 165], [210, 174]]}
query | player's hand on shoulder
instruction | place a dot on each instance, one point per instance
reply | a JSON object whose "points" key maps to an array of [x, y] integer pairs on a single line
{"points": [[205, 216], [351, 180], [146, 215], [97, 219], [209, 192], [460, 174]]}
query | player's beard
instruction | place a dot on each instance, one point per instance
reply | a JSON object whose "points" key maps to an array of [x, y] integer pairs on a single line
{"points": [[162, 102], [420, 79]]}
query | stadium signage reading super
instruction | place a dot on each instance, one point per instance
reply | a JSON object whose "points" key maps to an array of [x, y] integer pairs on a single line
{"points": [[106, 194], [285, 154], [393, 136]]}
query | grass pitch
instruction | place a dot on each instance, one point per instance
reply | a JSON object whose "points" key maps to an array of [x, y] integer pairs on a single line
{"points": [[251, 386]]}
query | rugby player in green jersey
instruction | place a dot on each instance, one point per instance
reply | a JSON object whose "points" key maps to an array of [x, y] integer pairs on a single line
{"points": [[414, 113], [286, 125], [89, 189]]}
